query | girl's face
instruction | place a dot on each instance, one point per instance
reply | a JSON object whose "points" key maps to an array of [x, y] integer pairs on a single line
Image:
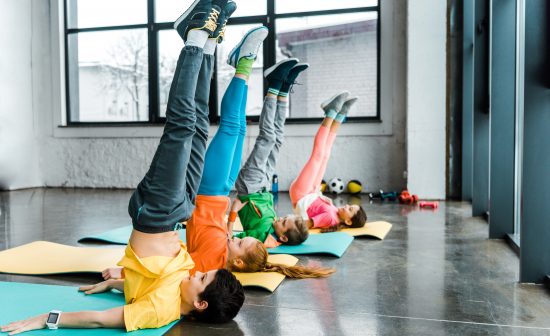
{"points": [[239, 247], [347, 212]]}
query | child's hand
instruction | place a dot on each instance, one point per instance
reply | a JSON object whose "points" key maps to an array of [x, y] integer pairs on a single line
{"points": [[32, 323], [97, 288], [112, 273]]}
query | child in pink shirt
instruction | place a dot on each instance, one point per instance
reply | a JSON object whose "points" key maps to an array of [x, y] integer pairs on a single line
{"points": [[305, 190]]}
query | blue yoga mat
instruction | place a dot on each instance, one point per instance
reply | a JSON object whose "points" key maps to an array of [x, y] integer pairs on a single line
{"points": [[118, 236], [334, 243], [27, 300]]}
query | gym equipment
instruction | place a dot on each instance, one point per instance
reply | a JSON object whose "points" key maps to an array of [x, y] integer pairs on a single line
{"points": [[425, 204], [275, 184], [323, 186], [23, 300], [390, 196], [373, 229], [406, 198], [42, 257], [336, 185], [354, 187]]}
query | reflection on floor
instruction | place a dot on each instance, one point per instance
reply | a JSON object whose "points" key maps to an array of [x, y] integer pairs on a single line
{"points": [[436, 273]]}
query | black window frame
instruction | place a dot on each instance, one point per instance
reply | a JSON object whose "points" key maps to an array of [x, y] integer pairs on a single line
{"points": [[269, 53]]}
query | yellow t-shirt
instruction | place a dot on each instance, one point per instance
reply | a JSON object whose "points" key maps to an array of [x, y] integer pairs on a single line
{"points": [[152, 288]]}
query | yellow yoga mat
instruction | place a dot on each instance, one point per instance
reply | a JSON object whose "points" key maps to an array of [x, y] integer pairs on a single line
{"points": [[373, 229], [42, 257]]}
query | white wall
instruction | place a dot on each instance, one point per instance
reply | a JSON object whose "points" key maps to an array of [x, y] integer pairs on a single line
{"points": [[426, 92], [118, 157], [18, 150]]}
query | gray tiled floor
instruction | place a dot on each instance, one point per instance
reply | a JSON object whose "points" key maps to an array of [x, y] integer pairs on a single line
{"points": [[435, 273]]}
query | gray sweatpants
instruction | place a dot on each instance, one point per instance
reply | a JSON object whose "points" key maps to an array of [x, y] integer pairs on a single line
{"points": [[255, 176], [166, 194]]}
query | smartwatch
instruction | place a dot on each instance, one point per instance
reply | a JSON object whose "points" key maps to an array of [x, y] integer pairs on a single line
{"points": [[53, 319]]}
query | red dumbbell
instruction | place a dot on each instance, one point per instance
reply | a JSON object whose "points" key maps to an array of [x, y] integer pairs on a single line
{"points": [[425, 204], [406, 198]]}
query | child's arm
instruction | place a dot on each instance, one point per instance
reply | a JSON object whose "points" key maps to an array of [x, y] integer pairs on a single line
{"points": [[111, 318], [104, 286], [235, 208]]}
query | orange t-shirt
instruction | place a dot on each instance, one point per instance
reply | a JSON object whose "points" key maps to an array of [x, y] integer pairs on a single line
{"points": [[207, 233]]}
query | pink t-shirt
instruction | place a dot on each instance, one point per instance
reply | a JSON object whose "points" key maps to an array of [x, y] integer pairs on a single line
{"points": [[323, 213]]}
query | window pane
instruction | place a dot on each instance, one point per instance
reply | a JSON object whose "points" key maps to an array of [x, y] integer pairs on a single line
{"points": [[294, 6], [225, 73], [170, 10], [342, 53], [170, 44], [100, 13], [250, 8], [108, 76]]}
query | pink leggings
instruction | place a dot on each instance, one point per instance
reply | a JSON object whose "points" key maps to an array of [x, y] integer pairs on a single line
{"points": [[311, 175]]}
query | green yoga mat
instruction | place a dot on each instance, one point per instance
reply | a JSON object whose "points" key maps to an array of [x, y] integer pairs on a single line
{"points": [[117, 236], [27, 300], [334, 243]]}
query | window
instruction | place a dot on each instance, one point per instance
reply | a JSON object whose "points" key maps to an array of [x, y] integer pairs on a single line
{"points": [[121, 56]]}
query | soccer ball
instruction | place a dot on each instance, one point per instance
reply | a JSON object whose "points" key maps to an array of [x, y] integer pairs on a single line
{"points": [[336, 185]]}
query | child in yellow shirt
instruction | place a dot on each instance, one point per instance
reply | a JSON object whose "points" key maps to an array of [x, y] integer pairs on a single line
{"points": [[157, 286]]}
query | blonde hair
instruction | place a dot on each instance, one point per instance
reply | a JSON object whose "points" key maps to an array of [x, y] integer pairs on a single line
{"points": [[255, 260]]}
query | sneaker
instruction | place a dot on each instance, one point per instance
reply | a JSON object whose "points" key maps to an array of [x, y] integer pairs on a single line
{"points": [[293, 74], [335, 102], [248, 46], [348, 103], [279, 71], [202, 15], [227, 11]]}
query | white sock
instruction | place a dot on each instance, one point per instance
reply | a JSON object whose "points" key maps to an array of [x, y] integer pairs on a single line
{"points": [[210, 46], [197, 38]]}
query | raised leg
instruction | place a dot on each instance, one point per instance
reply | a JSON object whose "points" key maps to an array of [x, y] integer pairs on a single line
{"points": [[160, 199]]}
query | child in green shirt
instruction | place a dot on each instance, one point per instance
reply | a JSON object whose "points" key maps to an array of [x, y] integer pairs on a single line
{"points": [[257, 214]]}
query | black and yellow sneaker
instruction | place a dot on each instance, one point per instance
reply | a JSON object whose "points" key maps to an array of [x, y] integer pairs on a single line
{"points": [[229, 8], [202, 15]]}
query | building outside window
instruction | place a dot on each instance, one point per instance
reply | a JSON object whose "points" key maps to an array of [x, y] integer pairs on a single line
{"points": [[121, 56]]}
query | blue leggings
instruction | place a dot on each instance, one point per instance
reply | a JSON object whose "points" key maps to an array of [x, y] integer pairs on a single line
{"points": [[223, 156]]}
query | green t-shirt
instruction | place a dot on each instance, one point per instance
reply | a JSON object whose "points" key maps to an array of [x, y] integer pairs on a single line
{"points": [[257, 216]]}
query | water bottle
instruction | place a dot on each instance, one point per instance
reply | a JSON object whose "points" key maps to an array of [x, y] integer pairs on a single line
{"points": [[275, 184]]}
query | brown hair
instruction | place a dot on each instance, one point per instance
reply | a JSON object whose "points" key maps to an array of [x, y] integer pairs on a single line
{"points": [[358, 220], [255, 260], [298, 235]]}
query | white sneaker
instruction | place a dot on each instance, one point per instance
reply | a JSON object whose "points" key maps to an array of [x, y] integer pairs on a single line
{"points": [[248, 46]]}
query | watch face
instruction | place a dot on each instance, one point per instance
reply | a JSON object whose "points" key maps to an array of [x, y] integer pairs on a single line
{"points": [[52, 318]]}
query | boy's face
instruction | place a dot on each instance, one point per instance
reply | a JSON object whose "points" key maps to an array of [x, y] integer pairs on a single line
{"points": [[192, 286], [283, 224]]}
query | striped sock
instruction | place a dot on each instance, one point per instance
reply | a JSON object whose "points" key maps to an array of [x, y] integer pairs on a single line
{"points": [[283, 94], [340, 117], [273, 91], [332, 114]]}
